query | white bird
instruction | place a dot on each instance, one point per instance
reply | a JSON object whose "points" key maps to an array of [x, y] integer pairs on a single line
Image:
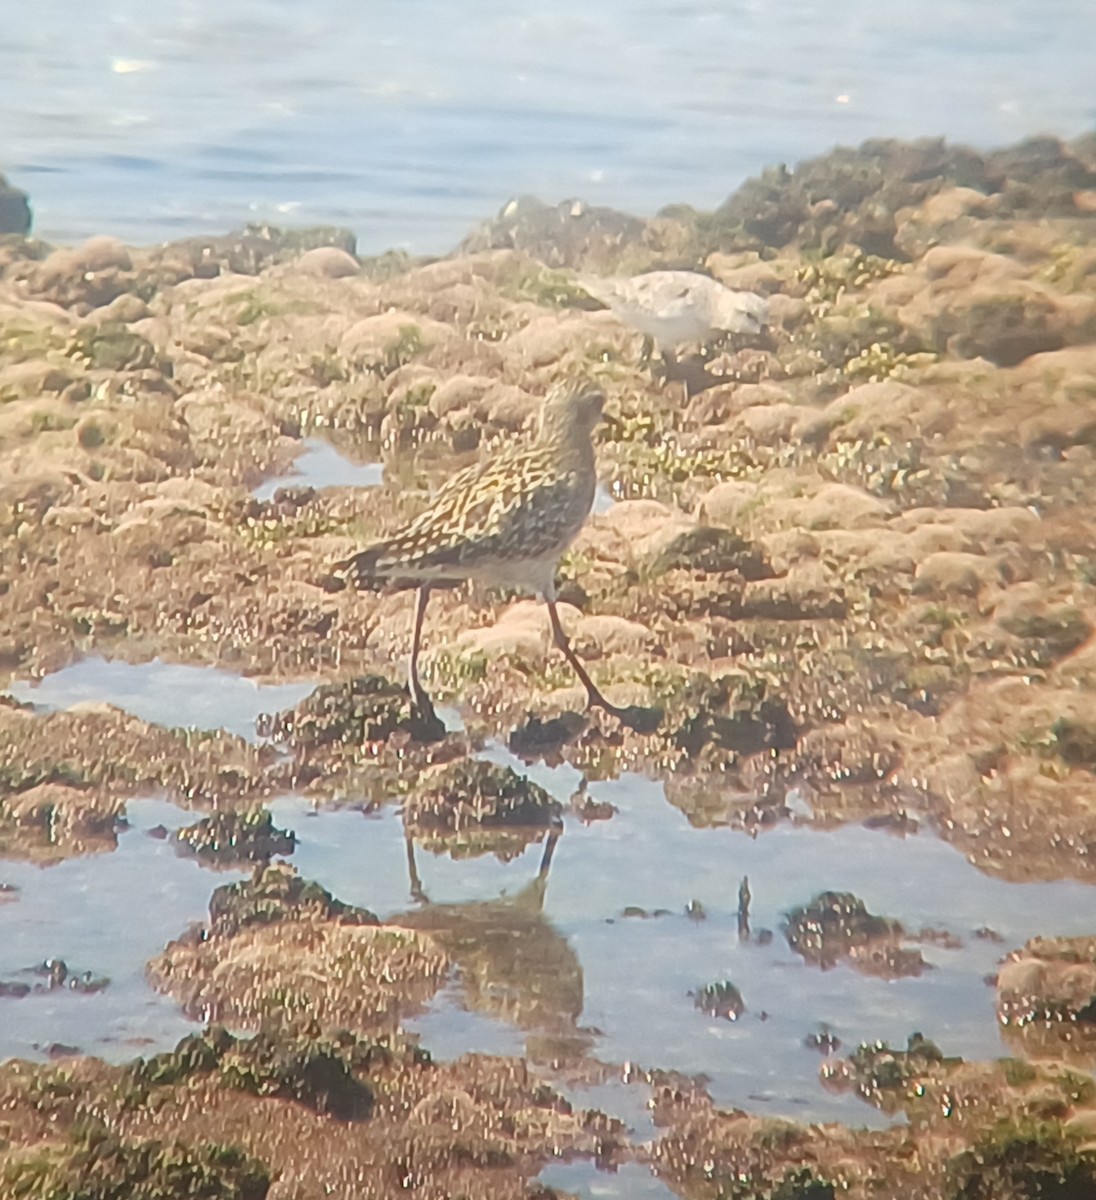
{"points": [[674, 308]]}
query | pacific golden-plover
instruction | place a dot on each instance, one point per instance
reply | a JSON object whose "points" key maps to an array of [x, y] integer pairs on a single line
{"points": [[505, 522], [674, 308]]}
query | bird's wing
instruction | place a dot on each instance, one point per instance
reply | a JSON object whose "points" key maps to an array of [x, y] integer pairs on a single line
{"points": [[516, 506]]}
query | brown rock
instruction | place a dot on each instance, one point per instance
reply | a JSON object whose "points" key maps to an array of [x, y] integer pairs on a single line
{"points": [[329, 262], [954, 571]]}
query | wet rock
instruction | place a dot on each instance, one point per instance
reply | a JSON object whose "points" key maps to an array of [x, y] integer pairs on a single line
{"points": [[726, 715], [1008, 325], [122, 310], [47, 821], [1043, 173], [95, 1162], [15, 215], [836, 927], [228, 839], [274, 894], [882, 1075], [65, 776], [1046, 999], [569, 234], [1050, 634], [315, 1072], [55, 974], [722, 1000], [475, 805], [477, 1126], [1024, 1157], [823, 1040], [247, 251], [366, 709], [1075, 742], [538, 737], [846, 196], [280, 952]]}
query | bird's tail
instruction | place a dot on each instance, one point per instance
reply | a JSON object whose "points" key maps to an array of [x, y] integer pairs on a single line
{"points": [[364, 569], [385, 565]]}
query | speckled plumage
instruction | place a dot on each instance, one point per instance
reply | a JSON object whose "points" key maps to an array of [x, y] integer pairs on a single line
{"points": [[506, 521]]}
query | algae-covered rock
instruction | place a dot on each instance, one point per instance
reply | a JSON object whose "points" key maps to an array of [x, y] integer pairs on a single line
{"points": [[281, 953], [1027, 1159], [366, 709], [275, 894], [837, 926], [882, 1075], [313, 1071], [569, 234], [228, 838], [472, 807], [479, 793], [97, 1165], [720, 1000]]}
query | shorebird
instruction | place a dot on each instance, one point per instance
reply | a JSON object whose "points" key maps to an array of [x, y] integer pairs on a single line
{"points": [[505, 522], [674, 308]]}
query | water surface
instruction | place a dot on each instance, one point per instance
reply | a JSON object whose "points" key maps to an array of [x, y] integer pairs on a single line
{"points": [[612, 956], [320, 465], [410, 123], [164, 693]]}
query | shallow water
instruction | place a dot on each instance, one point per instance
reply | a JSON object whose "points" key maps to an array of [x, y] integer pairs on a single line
{"points": [[83, 910], [164, 693], [582, 1178], [622, 981], [150, 123], [320, 465]]}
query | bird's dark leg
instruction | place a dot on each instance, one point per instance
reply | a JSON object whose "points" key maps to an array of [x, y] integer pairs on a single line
{"points": [[419, 698], [594, 698], [549, 850], [417, 892]]}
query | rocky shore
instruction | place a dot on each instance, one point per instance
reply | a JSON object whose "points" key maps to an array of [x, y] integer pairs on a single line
{"points": [[857, 561]]}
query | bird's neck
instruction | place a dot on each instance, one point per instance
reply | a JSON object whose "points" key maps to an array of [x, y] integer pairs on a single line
{"points": [[570, 445]]}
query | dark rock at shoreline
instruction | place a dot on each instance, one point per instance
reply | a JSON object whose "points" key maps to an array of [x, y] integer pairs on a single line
{"points": [[569, 234], [15, 214], [851, 196], [248, 251]]}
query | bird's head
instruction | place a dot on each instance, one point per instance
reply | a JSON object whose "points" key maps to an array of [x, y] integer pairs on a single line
{"points": [[741, 312], [571, 410]]}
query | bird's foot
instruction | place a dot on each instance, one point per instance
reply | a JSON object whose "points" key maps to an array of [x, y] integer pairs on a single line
{"points": [[425, 724], [537, 737], [636, 717]]}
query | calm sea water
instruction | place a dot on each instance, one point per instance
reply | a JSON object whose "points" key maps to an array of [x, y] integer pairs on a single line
{"points": [[409, 122]]}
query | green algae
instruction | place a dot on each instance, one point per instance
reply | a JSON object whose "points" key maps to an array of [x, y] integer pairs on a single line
{"points": [[96, 1165], [1023, 1159], [277, 893]]}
